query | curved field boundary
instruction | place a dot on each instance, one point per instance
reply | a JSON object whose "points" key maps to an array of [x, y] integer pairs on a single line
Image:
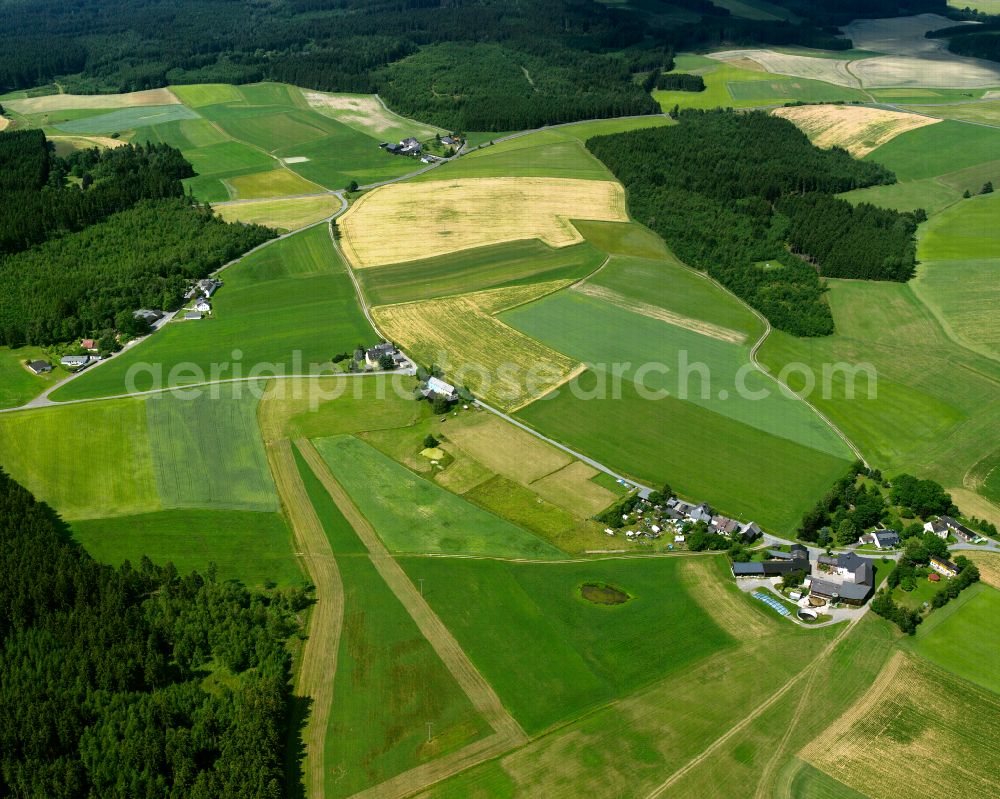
{"points": [[319, 655], [480, 692]]}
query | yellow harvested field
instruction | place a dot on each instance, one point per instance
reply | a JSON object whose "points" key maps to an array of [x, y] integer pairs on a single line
{"points": [[857, 129], [662, 314], [461, 334], [410, 221], [69, 102], [988, 564], [918, 731], [4, 122], [87, 142], [505, 449], [281, 214], [572, 488]]}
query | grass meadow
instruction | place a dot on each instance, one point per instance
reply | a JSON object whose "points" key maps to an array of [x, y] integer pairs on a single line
{"points": [[127, 119], [495, 266], [414, 515], [292, 296], [281, 214], [254, 548], [961, 637], [208, 452], [389, 686], [86, 461], [938, 149], [343, 540], [966, 230], [935, 401], [551, 654], [17, 384]]}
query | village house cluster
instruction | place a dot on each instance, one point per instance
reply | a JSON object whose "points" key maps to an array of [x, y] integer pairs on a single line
{"points": [[674, 516], [843, 578], [201, 292]]}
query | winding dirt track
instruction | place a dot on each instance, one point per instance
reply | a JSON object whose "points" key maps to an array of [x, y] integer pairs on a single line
{"points": [[508, 733], [319, 656]]}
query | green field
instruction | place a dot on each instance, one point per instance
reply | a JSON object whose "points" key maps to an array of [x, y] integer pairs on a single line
{"points": [[126, 119], [937, 149], [17, 384], [557, 152], [987, 112], [255, 548], [285, 309], [282, 214], [208, 452], [549, 653], [412, 514], [197, 95], [389, 686], [936, 401], [965, 230], [496, 266], [962, 636], [343, 539], [87, 461], [728, 86]]}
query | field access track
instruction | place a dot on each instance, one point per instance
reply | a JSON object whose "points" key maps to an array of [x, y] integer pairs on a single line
{"points": [[485, 700]]}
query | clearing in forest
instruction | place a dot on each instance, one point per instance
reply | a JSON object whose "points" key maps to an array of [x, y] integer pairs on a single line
{"points": [[475, 349], [439, 217], [857, 129], [912, 734], [71, 102]]}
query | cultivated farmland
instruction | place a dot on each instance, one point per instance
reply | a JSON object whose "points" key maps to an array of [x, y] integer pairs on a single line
{"points": [[830, 70], [255, 548], [65, 102], [548, 652], [366, 113], [938, 149], [857, 129], [495, 266], [911, 735], [411, 514], [282, 214], [128, 119], [444, 216], [464, 337]]}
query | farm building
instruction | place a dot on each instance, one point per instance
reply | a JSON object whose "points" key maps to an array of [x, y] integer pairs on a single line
{"points": [[89, 344], [440, 388], [147, 314], [724, 525], [193, 316], [206, 287], [858, 579], [202, 305], [782, 563], [77, 361], [959, 530], [39, 367], [885, 539], [938, 527], [944, 567], [373, 355]]}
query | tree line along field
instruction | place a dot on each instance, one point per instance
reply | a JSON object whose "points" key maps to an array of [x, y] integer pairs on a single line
{"points": [[239, 137], [292, 296]]}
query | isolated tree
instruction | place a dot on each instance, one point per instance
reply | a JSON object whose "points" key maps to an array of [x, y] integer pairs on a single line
{"points": [[352, 186], [440, 404], [966, 194], [430, 442], [987, 187], [386, 362], [847, 533]]}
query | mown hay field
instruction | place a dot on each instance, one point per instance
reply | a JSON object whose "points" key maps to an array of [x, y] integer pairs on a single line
{"points": [[281, 214], [919, 731], [494, 266], [126, 119], [857, 129], [65, 102], [938, 150], [549, 653], [255, 548], [414, 515], [444, 216], [463, 336], [965, 230], [270, 183], [830, 70], [290, 306], [390, 685]]}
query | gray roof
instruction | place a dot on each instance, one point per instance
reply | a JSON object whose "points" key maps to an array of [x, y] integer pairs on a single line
{"points": [[767, 568], [865, 574], [886, 538], [850, 561], [777, 553], [748, 569]]}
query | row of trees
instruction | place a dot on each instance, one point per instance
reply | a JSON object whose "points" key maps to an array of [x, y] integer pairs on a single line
{"points": [[81, 284], [728, 190], [103, 690], [37, 201]]}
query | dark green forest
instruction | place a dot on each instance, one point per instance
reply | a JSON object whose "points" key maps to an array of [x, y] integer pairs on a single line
{"points": [[79, 284], [736, 193], [37, 199], [680, 81], [134, 681], [581, 55]]}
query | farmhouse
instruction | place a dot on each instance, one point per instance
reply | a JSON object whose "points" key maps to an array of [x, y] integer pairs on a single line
{"points": [[439, 388], [39, 367], [147, 314], [206, 287], [77, 361], [724, 525], [858, 579], [449, 141], [782, 563], [944, 566], [374, 355], [89, 344], [885, 539], [959, 530], [408, 146]]}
